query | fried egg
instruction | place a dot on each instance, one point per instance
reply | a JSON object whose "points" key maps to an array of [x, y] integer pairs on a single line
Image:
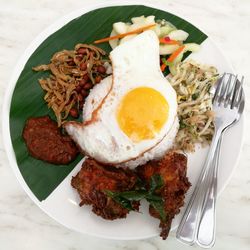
{"points": [[131, 113]]}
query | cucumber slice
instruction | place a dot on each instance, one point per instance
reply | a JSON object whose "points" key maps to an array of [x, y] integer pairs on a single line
{"points": [[172, 67], [157, 30], [179, 35], [142, 20], [193, 47], [113, 43], [120, 27], [139, 19], [166, 49], [150, 20], [165, 30], [135, 26]]}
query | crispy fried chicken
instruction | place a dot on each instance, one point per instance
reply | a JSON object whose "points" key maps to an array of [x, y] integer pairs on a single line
{"points": [[172, 168], [94, 179]]}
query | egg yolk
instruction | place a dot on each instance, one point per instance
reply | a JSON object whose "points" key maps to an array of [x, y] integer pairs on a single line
{"points": [[142, 113]]}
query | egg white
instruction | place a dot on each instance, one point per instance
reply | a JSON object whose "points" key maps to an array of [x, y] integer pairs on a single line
{"points": [[135, 64]]}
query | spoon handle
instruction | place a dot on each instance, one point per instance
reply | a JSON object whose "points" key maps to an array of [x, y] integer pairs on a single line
{"points": [[207, 226]]}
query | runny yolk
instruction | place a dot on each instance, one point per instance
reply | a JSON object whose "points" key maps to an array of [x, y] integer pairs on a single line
{"points": [[142, 113]]}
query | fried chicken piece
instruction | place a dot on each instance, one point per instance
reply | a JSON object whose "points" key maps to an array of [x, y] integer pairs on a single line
{"points": [[92, 181], [172, 169]]}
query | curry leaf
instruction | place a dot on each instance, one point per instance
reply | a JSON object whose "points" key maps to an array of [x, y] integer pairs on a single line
{"points": [[110, 193], [133, 195], [127, 197], [159, 207], [156, 183], [122, 201], [153, 197]]}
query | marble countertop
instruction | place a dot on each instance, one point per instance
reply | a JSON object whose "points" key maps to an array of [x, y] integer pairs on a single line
{"points": [[24, 226]]}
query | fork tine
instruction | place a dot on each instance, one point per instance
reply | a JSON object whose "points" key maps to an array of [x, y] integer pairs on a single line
{"points": [[218, 88], [241, 103], [240, 95], [237, 96], [230, 95], [224, 92]]}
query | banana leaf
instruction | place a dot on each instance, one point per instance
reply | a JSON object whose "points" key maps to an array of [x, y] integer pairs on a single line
{"points": [[27, 100]]}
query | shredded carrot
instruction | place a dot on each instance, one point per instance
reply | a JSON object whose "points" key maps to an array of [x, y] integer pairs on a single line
{"points": [[163, 67], [163, 40], [125, 34], [175, 53], [165, 62]]}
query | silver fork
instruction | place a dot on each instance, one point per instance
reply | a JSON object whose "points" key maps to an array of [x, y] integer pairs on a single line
{"points": [[207, 226], [227, 104]]}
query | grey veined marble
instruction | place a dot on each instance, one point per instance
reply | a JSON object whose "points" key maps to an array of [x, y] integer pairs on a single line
{"points": [[24, 226]]}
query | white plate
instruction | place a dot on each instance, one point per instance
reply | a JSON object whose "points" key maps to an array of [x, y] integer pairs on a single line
{"points": [[62, 204]]}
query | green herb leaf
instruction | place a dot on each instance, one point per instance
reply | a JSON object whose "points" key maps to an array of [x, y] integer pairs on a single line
{"points": [[133, 195], [195, 96], [110, 193], [182, 124], [153, 197], [127, 197], [159, 207], [164, 60], [122, 201], [156, 182]]}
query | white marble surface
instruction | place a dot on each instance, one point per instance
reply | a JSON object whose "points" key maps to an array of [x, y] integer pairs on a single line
{"points": [[24, 226]]}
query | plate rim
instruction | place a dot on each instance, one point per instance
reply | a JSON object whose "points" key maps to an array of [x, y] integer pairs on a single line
{"points": [[43, 35]]}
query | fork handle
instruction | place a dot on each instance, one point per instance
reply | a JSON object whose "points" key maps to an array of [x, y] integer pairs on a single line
{"points": [[207, 226], [188, 226]]}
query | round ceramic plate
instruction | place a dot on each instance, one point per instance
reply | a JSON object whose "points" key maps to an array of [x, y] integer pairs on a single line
{"points": [[49, 185]]}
